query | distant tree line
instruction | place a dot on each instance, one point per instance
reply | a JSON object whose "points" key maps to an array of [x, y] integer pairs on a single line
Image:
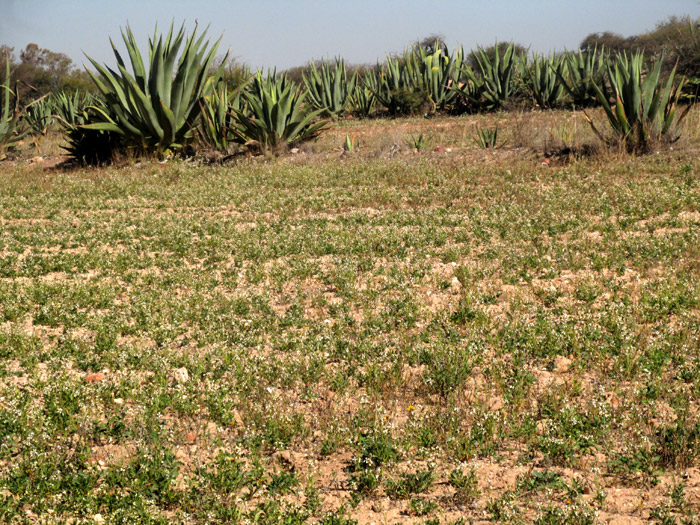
{"points": [[678, 39], [37, 72]]}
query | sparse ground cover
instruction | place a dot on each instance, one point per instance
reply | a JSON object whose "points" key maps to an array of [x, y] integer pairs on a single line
{"points": [[384, 336]]}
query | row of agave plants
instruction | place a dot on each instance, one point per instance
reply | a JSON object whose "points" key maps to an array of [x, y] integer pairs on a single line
{"points": [[176, 100]]}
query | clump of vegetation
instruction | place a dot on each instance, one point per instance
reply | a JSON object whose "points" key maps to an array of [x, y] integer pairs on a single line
{"points": [[276, 116], [489, 84], [155, 108], [304, 340], [583, 73], [542, 77], [645, 110], [10, 114], [330, 89], [216, 129], [487, 138], [420, 142]]}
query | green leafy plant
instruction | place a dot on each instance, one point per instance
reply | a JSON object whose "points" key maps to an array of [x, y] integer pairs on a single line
{"points": [[466, 485], [350, 143], [398, 86], [487, 138], [362, 101], [491, 85], [329, 88], [420, 142], [644, 110], [216, 129], [438, 71], [421, 506], [70, 109], [9, 112], [678, 445], [277, 114], [155, 109], [411, 483], [582, 73], [39, 115], [542, 78]]}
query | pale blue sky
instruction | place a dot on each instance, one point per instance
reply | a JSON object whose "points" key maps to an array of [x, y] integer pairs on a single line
{"points": [[268, 33]]}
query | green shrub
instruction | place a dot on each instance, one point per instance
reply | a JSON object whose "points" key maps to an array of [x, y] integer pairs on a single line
{"points": [[644, 110], [39, 116], [70, 109], [583, 73], [155, 109], [438, 71], [490, 83], [362, 101], [9, 112], [397, 86], [216, 129], [543, 79], [276, 115], [330, 89]]}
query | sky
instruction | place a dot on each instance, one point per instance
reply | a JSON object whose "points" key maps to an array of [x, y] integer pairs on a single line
{"points": [[286, 33]]}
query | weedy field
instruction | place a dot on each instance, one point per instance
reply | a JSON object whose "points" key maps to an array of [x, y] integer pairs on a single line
{"points": [[382, 335]]}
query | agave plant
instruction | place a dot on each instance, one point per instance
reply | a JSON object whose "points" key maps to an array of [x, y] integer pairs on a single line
{"points": [[88, 146], [276, 115], [419, 143], [491, 85], [350, 144], [542, 79], [362, 101], [70, 109], [39, 115], [329, 88], [487, 138], [644, 110], [217, 126], [9, 112], [155, 109], [397, 85], [438, 71], [583, 72]]}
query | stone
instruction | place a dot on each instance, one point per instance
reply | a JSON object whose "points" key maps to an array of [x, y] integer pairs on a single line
{"points": [[562, 364], [95, 378], [181, 375]]}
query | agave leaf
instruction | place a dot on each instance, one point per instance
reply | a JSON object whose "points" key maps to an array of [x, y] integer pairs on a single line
{"points": [[104, 126]]}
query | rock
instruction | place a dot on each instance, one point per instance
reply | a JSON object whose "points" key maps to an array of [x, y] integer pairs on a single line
{"points": [[212, 429], [95, 378], [289, 459], [42, 371], [181, 375], [562, 364], [236, 417], [294, 151]]}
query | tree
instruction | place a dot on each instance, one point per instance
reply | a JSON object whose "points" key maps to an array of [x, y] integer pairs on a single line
{"points": [[39, 71], [678, 39], [611, 41], [432, 43]]}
